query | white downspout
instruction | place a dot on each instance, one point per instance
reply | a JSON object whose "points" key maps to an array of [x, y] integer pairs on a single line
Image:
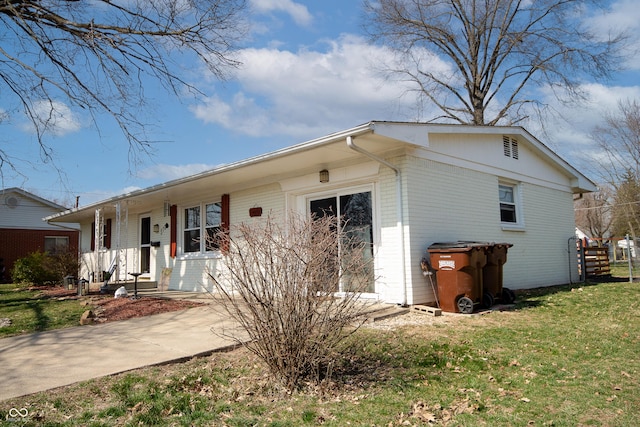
{"points": [[399, 208]]}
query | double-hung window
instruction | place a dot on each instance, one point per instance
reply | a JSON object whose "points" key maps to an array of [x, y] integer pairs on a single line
{"points": [[212, 223], [510, 205], [200, 231]]}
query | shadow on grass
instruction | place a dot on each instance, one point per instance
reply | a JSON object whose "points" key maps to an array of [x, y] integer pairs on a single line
{"points": [[41, 319], [21, 300], [611, 279], [370, 361]]}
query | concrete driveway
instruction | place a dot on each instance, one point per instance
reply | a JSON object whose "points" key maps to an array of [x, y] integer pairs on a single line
{"points": [[45, 360]]}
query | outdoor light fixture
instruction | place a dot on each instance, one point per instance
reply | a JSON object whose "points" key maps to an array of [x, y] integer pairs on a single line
{"points": [[324, 176], [156, 228]]}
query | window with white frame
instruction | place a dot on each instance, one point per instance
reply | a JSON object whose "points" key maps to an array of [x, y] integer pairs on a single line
{"points": [[212, 223], [508, 203], [200, 230]]}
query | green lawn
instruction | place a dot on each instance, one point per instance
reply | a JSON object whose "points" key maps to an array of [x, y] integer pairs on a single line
{"points": [[32, 311], [620, 269], [564, 357]]}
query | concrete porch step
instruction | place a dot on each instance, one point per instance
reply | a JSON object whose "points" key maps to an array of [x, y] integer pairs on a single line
{"points": [[129, 285]]}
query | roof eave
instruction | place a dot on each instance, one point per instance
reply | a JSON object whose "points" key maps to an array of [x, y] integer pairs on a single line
{"points": [[298, 148]]}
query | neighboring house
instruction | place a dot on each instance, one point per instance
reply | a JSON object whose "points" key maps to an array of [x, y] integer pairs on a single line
{"points": [[409, 184], [23, 231]]}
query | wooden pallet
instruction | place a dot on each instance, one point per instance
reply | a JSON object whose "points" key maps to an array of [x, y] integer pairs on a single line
{"points": [[596, 261]]}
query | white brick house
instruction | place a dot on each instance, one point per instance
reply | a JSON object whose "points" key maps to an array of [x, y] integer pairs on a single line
{"points": [[422, 183]]}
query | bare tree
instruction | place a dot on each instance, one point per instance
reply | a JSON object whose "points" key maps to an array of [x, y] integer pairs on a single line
{"points": [[94, 56], [279, 282], [497, 52], [619, 163], [594, 214], [626, 212]]}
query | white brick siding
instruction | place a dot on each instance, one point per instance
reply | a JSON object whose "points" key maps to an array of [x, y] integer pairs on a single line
{"points": [[193, 274], [450, 193], [450, 203]]}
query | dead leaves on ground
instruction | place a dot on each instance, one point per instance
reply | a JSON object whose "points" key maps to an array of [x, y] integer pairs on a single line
{"points": [[422, 413]]}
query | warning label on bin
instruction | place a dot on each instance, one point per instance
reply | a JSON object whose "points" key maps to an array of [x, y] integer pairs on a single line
{"points": [[446, 264]]}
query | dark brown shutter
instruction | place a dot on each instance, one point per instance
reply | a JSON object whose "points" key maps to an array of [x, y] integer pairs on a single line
{"points": [[224, 245], [93, 236], [173, 232], [107, 234]]}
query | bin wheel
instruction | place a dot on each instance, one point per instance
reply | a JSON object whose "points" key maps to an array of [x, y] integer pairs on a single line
{"points": [[508, 297], [465, 305], [487, 300]]}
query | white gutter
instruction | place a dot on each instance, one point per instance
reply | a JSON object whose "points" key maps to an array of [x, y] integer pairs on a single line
{"points": [[305, 146], [399, 208]]}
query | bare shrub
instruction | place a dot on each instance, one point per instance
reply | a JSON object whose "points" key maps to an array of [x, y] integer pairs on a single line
{"points": [[294, 288]]}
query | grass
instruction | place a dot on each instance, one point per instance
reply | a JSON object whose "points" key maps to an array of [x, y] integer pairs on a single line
{"points": [[565, 356], [620, 269], [32, 311]]}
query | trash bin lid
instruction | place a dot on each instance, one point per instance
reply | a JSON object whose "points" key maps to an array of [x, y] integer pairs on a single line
{"points": [[448, 245], [460, 244], [508, 245]]}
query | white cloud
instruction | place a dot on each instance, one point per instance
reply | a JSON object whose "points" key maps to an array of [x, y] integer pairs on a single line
{"points": [[53, 117], [94, 196], [569, 135], [307, 93], [153, 175], [622, 16], [164, 172], [298, 12]]}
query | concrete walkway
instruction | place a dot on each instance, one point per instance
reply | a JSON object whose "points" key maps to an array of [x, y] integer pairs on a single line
{"points": [[42, 361]]}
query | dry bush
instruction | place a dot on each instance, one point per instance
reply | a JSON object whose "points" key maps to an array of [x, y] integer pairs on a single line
{"points": [[280, 283]]}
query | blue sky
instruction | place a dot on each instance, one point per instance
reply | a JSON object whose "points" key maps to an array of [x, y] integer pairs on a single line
{"points": [[307, 71]]}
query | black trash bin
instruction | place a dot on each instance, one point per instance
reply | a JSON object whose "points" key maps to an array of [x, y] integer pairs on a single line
{"points": [[458, 268]]}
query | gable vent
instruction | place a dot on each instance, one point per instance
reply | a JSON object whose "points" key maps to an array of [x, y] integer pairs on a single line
{"points": [[510, 147], [506, 144], [11, 201]]}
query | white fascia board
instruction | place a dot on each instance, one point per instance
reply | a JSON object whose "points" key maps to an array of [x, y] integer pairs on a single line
{"points": [[298, 148], [580, 183]]}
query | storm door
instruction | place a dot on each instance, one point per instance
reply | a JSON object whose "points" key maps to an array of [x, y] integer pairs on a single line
{"points": [[356, 218], [145, 245]]}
